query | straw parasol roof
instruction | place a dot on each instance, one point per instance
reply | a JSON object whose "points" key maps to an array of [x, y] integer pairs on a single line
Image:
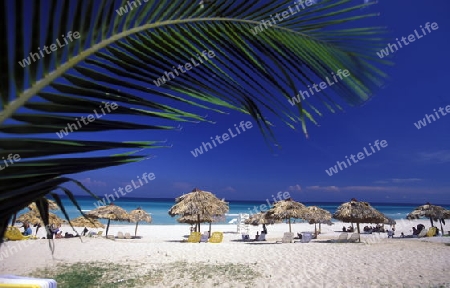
{"points": [[433, 212], [358, 212], [193, 219], [110, 212], [84, 222], [201, 204], [33, 217], [32, 206], [138, 215], [286, 209], [314, 215], [51, 205], [261, 218]]}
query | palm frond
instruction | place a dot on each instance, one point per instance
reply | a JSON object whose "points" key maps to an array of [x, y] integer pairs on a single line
{"points": [[113, 56]]}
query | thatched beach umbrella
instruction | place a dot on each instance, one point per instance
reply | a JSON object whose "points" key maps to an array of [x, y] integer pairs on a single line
{"points": [[358, 212], [201, 204], [139, 215], [33, 217], [84, 222], [110, 212], [286, 209], [261, 218], [51, 206], [32, 206], [193, 219], [433, 212], [314, 215]]}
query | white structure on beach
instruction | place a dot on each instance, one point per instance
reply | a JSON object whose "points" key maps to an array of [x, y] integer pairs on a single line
{"points": [[241, 226]]}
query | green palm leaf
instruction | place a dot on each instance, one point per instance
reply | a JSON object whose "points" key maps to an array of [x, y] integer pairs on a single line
{"points": [[117, 58]]}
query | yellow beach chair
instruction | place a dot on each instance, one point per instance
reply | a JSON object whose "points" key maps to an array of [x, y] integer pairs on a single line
{"points": [[216, 237], [13, 234], [194, 237]]}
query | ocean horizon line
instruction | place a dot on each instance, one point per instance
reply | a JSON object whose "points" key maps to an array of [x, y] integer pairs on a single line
{"points": [[164, 199]]}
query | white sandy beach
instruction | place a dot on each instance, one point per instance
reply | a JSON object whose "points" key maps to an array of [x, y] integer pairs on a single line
{"points": [[377, 262]]}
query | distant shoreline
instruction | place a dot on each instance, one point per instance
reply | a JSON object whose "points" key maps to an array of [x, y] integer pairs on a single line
{"points": [[263, 201]]}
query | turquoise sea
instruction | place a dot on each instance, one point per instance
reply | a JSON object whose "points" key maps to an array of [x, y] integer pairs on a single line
{"points": [[158, 208]]}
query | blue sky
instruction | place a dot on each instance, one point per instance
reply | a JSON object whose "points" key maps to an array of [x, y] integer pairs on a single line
{"points": [[413, 168]]}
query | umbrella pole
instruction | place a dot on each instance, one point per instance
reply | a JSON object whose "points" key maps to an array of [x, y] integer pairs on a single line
{"points": [[290, 231], [359, 232], [14, 219], [431, 220], [135, 229], [198, 219], [320, 229], [442, 228], [107, 228], [315, 229]]}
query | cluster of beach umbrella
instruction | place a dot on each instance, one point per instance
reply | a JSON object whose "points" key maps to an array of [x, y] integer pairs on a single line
{"points": [[198, 207], [89, 220], [204, 207], [116, 213], [353, 211]]}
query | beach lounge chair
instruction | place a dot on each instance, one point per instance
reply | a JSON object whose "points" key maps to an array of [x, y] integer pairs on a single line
{"points": [[423, 233], [306, 237], [288, 237], [216, 237], [341, 239], [245, 237], [98, 235], [10, 281], [353, 238], [127, 235], [204, 237], [262, 237], [120, 235], [14, 234], [194, 237]]}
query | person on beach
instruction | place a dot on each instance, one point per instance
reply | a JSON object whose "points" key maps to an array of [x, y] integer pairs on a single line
{"points": [[27, 229], [256, 236], [264, 229]]}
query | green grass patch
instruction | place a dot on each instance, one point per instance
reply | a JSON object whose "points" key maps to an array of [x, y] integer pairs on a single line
{"points": [[176, 274], [85, 275]]}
